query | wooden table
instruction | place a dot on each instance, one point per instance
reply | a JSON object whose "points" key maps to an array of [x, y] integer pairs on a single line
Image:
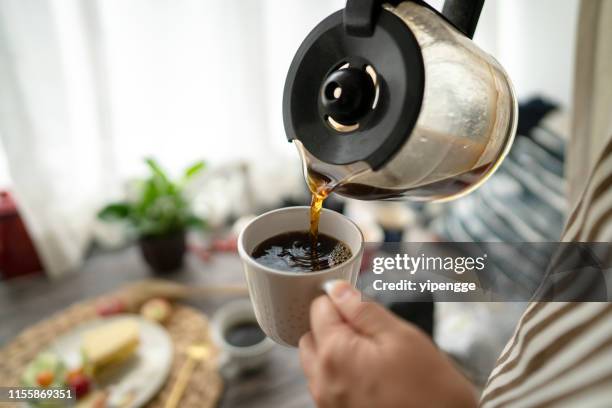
{"points": [[28, 300]]}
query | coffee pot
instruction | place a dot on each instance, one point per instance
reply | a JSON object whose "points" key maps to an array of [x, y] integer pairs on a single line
{"points": [[390, 100]]}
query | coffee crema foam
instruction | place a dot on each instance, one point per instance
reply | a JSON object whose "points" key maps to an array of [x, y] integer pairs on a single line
{"points": [[294, 252]]}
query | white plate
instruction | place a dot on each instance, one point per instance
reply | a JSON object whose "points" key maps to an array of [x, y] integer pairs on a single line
{"points": [[142, 375]]}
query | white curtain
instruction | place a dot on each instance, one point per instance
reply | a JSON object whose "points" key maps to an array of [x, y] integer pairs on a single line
{"points": [[535, 41], [88, 88]]}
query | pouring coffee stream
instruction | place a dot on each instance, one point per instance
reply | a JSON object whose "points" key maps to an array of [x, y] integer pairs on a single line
{"points": [[321, 186]]}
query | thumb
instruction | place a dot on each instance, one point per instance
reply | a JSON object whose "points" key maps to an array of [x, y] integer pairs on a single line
{"points": [[368, 318]]}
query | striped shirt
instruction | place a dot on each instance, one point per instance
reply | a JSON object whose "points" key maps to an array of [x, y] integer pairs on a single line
{"points": [[561, 353]]}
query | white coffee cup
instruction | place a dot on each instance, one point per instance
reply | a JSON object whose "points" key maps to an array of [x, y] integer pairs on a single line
{"points": [[281, 300], [233, 360]]}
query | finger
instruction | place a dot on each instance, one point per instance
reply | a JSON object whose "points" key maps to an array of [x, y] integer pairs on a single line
{"points": [[307, 354], [314, 388], [324, 318], [368, 318]]}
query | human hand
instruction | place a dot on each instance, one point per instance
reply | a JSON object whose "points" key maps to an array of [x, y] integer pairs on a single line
{"points": [[359, 355]]}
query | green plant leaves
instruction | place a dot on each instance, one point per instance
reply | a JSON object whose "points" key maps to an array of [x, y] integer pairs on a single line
{"points": [[114, 212], [156, 170], [195, 222], [160, 178], [194, 169], [160, 207]]}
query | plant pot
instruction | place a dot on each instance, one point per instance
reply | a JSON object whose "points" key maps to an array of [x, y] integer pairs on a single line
{"points": [[164, 253]]}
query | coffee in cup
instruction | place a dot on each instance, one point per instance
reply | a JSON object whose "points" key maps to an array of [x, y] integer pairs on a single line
{"points": [[296, 251], [242, 343], [244, 334]]}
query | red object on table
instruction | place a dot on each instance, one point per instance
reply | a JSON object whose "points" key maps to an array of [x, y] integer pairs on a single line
{"points": [[18, 256], [110, 307], [225, 245]]}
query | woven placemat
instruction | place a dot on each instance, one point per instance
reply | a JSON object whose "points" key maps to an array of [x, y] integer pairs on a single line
{"points": [[186, 326]]}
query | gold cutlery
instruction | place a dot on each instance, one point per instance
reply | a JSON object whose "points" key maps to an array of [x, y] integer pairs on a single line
{"points": [[195, 354]]}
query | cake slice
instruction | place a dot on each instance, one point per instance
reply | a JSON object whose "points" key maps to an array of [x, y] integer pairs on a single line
{"points": [[109, 344]]}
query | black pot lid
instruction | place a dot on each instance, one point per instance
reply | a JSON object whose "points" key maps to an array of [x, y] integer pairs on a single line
{"points": [[352, 98]]}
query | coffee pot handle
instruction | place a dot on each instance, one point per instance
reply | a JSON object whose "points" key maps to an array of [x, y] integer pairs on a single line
{"points": [[463, 14], [359, 15]]}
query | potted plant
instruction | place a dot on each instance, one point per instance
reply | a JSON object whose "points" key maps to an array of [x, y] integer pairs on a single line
{"points": [[160, 214]]}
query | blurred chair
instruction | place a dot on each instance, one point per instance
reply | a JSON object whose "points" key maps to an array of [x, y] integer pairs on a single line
{"points": [[18, 256]]}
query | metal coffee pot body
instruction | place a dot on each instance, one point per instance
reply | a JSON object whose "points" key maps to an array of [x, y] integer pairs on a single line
{"points": [[394, 100]]}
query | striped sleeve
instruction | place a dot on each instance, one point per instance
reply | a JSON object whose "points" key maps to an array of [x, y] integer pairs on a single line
{"points": [[561, 353]]}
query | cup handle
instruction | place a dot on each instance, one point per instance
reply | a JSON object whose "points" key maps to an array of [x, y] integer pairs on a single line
{"points": [[228, 368]]}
